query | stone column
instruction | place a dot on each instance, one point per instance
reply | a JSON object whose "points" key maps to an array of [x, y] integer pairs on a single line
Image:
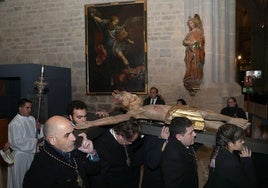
{"points": [[218, 19]]}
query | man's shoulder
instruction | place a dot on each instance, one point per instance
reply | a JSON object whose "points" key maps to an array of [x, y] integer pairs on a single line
{"points": [[146, 100], [14, 120], [173, 146], [95, 132], [32, 118], [42, 159], [160, 100], [105, 139]]}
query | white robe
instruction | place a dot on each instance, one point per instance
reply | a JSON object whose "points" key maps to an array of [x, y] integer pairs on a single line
{"points": [[22, 139]]}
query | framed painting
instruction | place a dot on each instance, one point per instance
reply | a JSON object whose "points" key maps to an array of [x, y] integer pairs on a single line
{"points": [[116, 47]]}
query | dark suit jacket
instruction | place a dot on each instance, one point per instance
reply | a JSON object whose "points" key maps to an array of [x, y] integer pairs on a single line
{"points": [[231, 172], [158, 101], [46, 171], [115, 173], [179, 166], [152, 176]]}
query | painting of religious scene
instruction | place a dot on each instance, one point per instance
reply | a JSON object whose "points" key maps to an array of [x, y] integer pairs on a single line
{"points": [[116, 57]]}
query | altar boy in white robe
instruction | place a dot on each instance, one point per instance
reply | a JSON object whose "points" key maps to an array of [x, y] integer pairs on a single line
{"points": [[22, 131]]}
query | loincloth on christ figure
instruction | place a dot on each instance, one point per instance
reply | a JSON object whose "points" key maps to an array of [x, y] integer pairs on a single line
{"points": [[184, 111]]}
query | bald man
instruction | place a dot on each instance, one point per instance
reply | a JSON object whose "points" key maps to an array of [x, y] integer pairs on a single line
{"points": [[59, 163]]}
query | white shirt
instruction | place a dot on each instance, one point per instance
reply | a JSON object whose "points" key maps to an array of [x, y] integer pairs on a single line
{"points": [[153, 101], [22, 139]]}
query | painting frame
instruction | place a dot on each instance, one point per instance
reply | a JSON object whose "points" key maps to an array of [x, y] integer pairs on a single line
{"points": [[116, 47]]}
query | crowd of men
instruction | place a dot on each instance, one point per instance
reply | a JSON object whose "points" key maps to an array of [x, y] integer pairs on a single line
{"points": [[117, 156]]}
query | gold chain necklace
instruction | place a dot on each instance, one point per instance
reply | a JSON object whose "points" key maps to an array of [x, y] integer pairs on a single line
{"points": [[79, 180]]}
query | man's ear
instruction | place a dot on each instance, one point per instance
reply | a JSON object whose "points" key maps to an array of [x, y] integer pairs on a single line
{"points": [[71, 117], [179, 137], [230, 144], [52, 140]]}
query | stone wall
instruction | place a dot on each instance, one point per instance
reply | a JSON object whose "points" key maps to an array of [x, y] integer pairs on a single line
{"points": [[53, 33]]}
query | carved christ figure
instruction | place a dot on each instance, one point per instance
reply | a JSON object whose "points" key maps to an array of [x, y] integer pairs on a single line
{"points": [[133, 104]]}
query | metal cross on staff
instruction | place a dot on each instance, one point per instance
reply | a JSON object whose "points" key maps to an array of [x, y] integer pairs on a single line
{"points": [[41, 84]]}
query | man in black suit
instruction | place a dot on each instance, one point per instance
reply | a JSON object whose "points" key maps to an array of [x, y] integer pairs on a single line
{"points": [[119, 152], [153, 98], [179, 165], [59, 163], [153, 147]]}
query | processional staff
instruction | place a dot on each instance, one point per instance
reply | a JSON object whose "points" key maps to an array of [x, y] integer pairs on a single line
{"points": [[40, 85]]}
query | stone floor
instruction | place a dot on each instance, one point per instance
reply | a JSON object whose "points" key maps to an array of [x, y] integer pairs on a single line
{"points": [[3, 176], [203, 156]]}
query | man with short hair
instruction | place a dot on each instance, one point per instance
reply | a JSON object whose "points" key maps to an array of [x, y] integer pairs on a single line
{"points": [[179, 165], [77, 112], [153, 146], [22, 138], [118, 151], [59, 163], [154, 97]]}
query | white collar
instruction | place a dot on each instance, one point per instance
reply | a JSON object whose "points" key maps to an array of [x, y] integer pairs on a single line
{"points": [[113, 133], [153, 101]]}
